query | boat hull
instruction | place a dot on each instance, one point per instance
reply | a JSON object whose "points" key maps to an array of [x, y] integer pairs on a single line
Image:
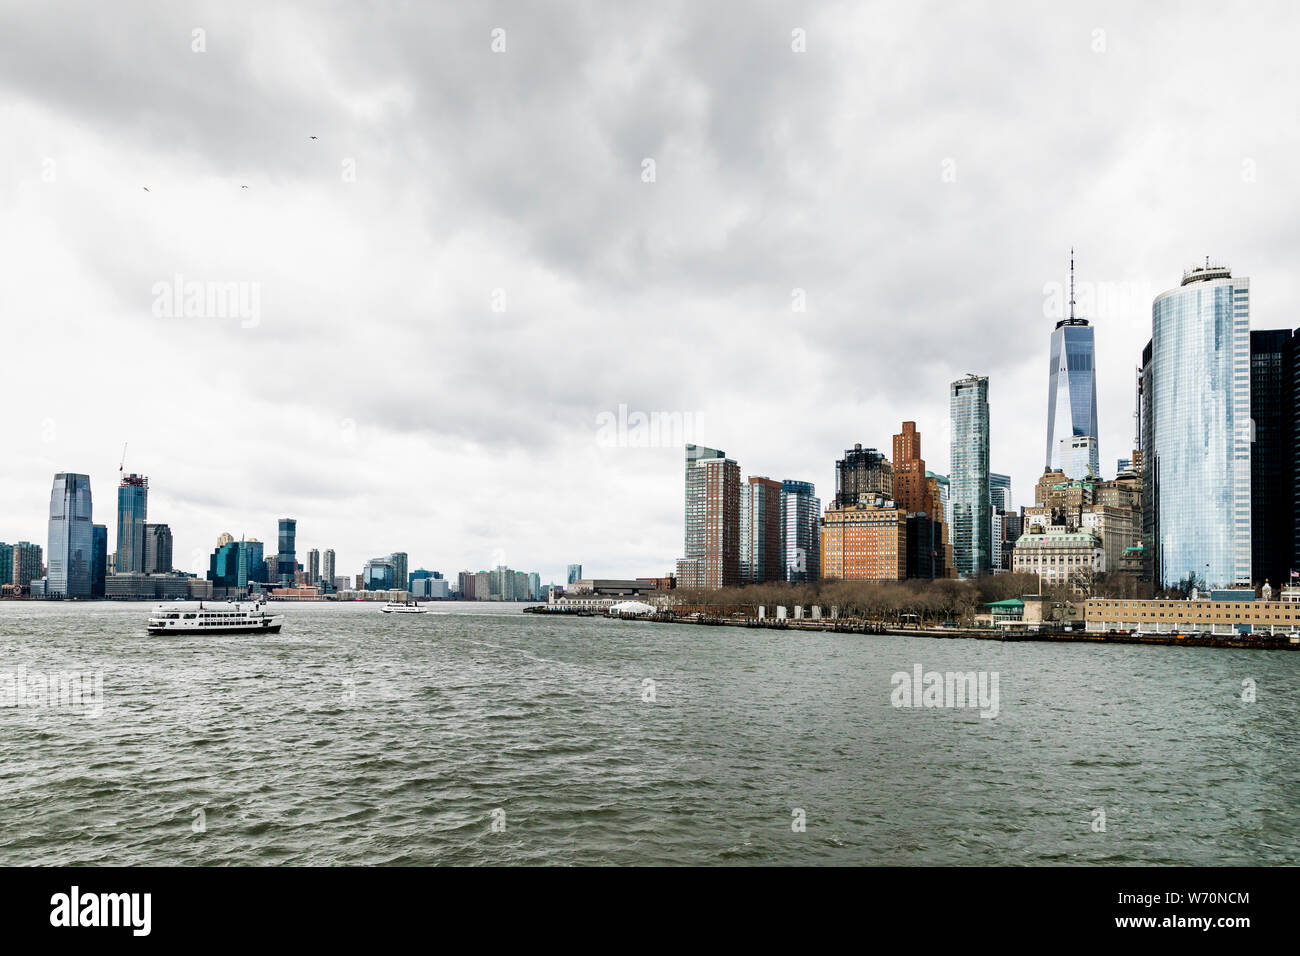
{"points": [[232, 629]]}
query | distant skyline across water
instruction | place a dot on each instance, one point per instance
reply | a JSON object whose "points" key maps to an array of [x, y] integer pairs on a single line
{"points": [[790, 228]]}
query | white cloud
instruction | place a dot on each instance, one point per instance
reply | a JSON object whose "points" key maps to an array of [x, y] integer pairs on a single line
{"points": [[382, 401]]}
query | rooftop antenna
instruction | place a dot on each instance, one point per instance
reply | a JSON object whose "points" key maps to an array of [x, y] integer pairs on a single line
{"points": [[1072, 283]]}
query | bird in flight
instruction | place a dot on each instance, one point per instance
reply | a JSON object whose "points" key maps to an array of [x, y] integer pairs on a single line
{"points": [[312, 137], [145, 188], [243, 187]]}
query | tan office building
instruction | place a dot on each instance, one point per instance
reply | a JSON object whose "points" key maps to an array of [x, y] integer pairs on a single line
{"points": [[1194, 617]]}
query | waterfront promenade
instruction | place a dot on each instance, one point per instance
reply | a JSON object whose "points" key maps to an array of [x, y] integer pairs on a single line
{"points": [[861, 626]]}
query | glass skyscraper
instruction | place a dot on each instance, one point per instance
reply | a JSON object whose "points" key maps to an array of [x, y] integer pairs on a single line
{"points": [[1072, 397], [1198, 462], [398, 559], [237, 563], [999, 507], [1000, 492], [972, 528], [157, 549], [286, 559], [801, 531], [251, 564], [132, 513], [72, 537], [1272, 478], [378, 575], [327, 569], [575, 573], [98, 560]]}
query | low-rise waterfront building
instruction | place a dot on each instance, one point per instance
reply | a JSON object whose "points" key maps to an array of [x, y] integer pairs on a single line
{"points": [[360, 594], [303, 593], [596, 594], [1220, 612], [138, 586]]}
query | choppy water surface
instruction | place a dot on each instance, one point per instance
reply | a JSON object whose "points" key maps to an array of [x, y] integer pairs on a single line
{"points": [[356, 737]]}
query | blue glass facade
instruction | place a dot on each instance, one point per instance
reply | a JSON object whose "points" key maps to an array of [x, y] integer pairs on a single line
{"points": [[236, 564], [1072, 402], [72, 538], [1272, 479], [378, 575], [99, 560], [1199, 460], [801, 531], [132, 513], [286, 558], [972, 526], [761, 556], [1000, 492]]}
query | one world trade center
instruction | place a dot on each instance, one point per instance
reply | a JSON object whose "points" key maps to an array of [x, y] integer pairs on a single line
{"points": [[1072, 397]]}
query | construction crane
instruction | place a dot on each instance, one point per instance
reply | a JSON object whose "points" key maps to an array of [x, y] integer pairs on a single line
{"points": [[122, 464]]}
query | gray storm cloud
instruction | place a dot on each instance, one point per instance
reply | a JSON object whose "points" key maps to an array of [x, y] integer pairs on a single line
{"points": [[440, 331]]}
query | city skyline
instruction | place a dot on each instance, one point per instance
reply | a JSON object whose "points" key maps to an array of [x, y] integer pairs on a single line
{"points": [[327, 419]]}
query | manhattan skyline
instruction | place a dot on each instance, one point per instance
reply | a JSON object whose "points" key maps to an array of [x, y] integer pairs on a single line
{"points": [[906, 200]]}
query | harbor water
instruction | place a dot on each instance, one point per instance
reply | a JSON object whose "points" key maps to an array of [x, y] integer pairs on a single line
{"points": [[476, 734]]}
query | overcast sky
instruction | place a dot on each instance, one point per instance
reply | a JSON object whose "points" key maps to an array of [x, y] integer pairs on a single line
{"points": [[468, 266]]}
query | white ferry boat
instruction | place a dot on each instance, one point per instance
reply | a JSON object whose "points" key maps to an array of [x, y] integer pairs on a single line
{"points": [[398, 607], [214, 618]]}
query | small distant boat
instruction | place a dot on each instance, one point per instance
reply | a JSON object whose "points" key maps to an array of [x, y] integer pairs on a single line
{"points": [[1293, 638], [219, 618], [403, 607]]}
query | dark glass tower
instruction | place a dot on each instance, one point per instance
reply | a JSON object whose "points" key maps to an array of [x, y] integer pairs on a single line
{"points": [[157, 549], [72, 537], [1295, 450], [286, 560], [99, 560], [761, 558], [1272, 458]]}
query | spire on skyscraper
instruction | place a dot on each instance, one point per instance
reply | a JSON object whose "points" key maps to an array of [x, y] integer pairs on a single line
{"points": [[1072, 283]]}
